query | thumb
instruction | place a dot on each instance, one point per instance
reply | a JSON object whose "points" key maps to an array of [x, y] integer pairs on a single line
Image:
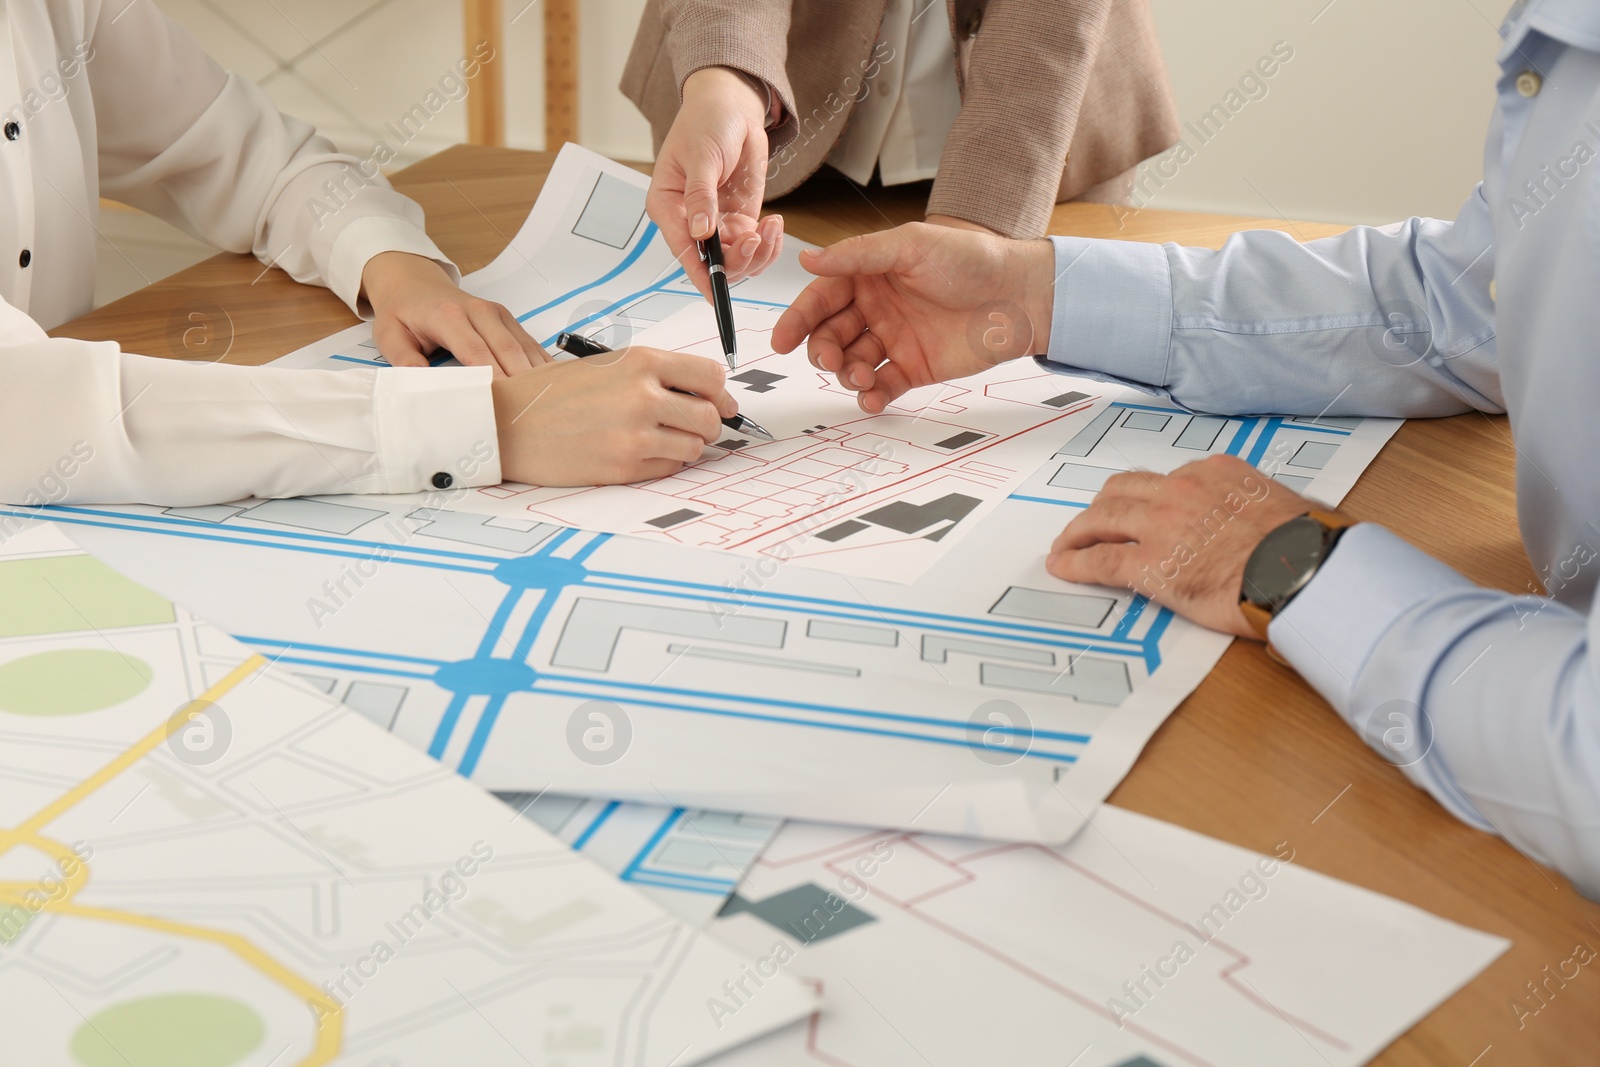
{"points": [[872, 253], [702, 176]]}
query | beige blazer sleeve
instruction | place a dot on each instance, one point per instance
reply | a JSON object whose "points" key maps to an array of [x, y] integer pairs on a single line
{"points": [[1040, 80]]}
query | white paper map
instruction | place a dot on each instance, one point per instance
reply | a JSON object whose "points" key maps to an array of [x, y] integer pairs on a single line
{"points": [[202, 857], [988, 698], [1137, 945], [985, 698], [686, 861], [881, 496]]}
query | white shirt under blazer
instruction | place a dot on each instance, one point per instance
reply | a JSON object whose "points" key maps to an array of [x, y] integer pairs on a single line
{"points": [[113, 98]]}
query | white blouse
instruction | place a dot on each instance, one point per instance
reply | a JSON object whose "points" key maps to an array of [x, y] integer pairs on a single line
{"points": [[901, 125], [113, 98]]}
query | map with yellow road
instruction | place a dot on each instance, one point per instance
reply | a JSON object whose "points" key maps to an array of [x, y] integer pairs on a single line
{"points": [[205, 862]]}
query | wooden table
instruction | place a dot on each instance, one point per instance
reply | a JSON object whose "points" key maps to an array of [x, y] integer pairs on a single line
{"points": [[1254, 757]]}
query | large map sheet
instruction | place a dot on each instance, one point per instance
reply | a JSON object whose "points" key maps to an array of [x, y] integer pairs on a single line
{"points": [[984, 698], [203, 859]]}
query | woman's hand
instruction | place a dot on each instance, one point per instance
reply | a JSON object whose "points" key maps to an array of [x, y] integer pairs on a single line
{"points": [[711, 174], [417, 310], [626, 416]]}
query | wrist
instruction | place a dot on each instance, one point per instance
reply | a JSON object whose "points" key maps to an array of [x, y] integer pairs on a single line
{"points": [[728, 87], [1038, 266], [386, 272]]}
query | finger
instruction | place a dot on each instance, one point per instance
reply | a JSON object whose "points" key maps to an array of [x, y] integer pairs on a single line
{"points": [[691, 415], [396, 345], [457, 333], [688, 373], [665, 208], [771, 244], [702, 176], [861, 359], [508, 354], [741, 242], [889, 383], [1109, 519], [872, 253], [1103, 564], [650, 470], [816, 304], [677, 446], [532, 349], [831, 338]]}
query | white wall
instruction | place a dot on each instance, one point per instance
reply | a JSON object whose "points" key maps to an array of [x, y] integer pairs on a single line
{"points": [[1380, 114]]}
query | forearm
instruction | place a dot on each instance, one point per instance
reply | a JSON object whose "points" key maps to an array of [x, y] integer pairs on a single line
{"points": [[1376, 321], [1489, 701], [133, 429], [1030, 68]]}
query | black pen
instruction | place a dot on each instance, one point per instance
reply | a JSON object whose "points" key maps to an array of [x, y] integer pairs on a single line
{"points": [[574, 344], [721, 301]]}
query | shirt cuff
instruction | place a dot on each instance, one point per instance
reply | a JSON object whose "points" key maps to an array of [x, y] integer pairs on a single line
{"points": [[435, 428], [1331, 628], [1113, 309], [364, 238]]}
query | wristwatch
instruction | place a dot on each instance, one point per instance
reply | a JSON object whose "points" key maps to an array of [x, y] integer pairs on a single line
{"points": [[1285, 562]]}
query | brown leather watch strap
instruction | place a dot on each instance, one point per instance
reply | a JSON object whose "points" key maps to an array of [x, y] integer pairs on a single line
{"points": [[1259, 617]]}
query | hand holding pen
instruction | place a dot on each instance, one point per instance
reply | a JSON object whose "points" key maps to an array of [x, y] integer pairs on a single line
{"points": [[583, 347]]}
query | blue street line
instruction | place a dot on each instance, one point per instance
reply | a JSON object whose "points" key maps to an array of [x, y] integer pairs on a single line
{"points": [[254, 544], [1129, 617], [301, 661], [691, 879], [823, 709], [654, 287], [173, 520], [1152, 650], [1241, 436], [843, 727], [660, 882], [629, 260], [599, 820], [480, 735], [447, 725], [301, 646], [649, 846], [1047, 500], [1259, 449], [1149, 407]]}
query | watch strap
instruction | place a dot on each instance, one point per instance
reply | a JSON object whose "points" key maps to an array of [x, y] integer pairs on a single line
{"points": [[1259, 616]]}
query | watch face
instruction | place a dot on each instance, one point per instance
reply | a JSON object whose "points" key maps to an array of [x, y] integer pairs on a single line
{"points": [[1284, 561]]}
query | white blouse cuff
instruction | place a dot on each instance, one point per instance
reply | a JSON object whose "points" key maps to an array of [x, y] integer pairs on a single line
{"points": [[435, 429], [367, 237]]}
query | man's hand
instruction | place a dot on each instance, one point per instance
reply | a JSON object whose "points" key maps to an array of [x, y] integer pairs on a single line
{"points": [[609, 419], [920, 304], [417, 309], [1181, 539], [711, 174]]}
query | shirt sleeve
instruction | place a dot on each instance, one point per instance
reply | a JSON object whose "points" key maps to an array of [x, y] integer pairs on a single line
{"points": [[1394, 320], [1489, 701], [209, 152], [160, 431]]}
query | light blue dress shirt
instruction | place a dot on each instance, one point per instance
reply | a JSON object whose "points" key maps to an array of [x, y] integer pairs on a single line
{"points": [[1489, 701]]}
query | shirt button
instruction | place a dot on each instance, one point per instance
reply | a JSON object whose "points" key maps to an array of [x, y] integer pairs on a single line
{"points": [[25, 258], [13, 131], [443, 480], [1529, 83], [1491, 289]]}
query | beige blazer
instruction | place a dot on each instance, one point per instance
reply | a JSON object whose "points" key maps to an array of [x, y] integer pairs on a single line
{"points": [[1058, 96]]}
